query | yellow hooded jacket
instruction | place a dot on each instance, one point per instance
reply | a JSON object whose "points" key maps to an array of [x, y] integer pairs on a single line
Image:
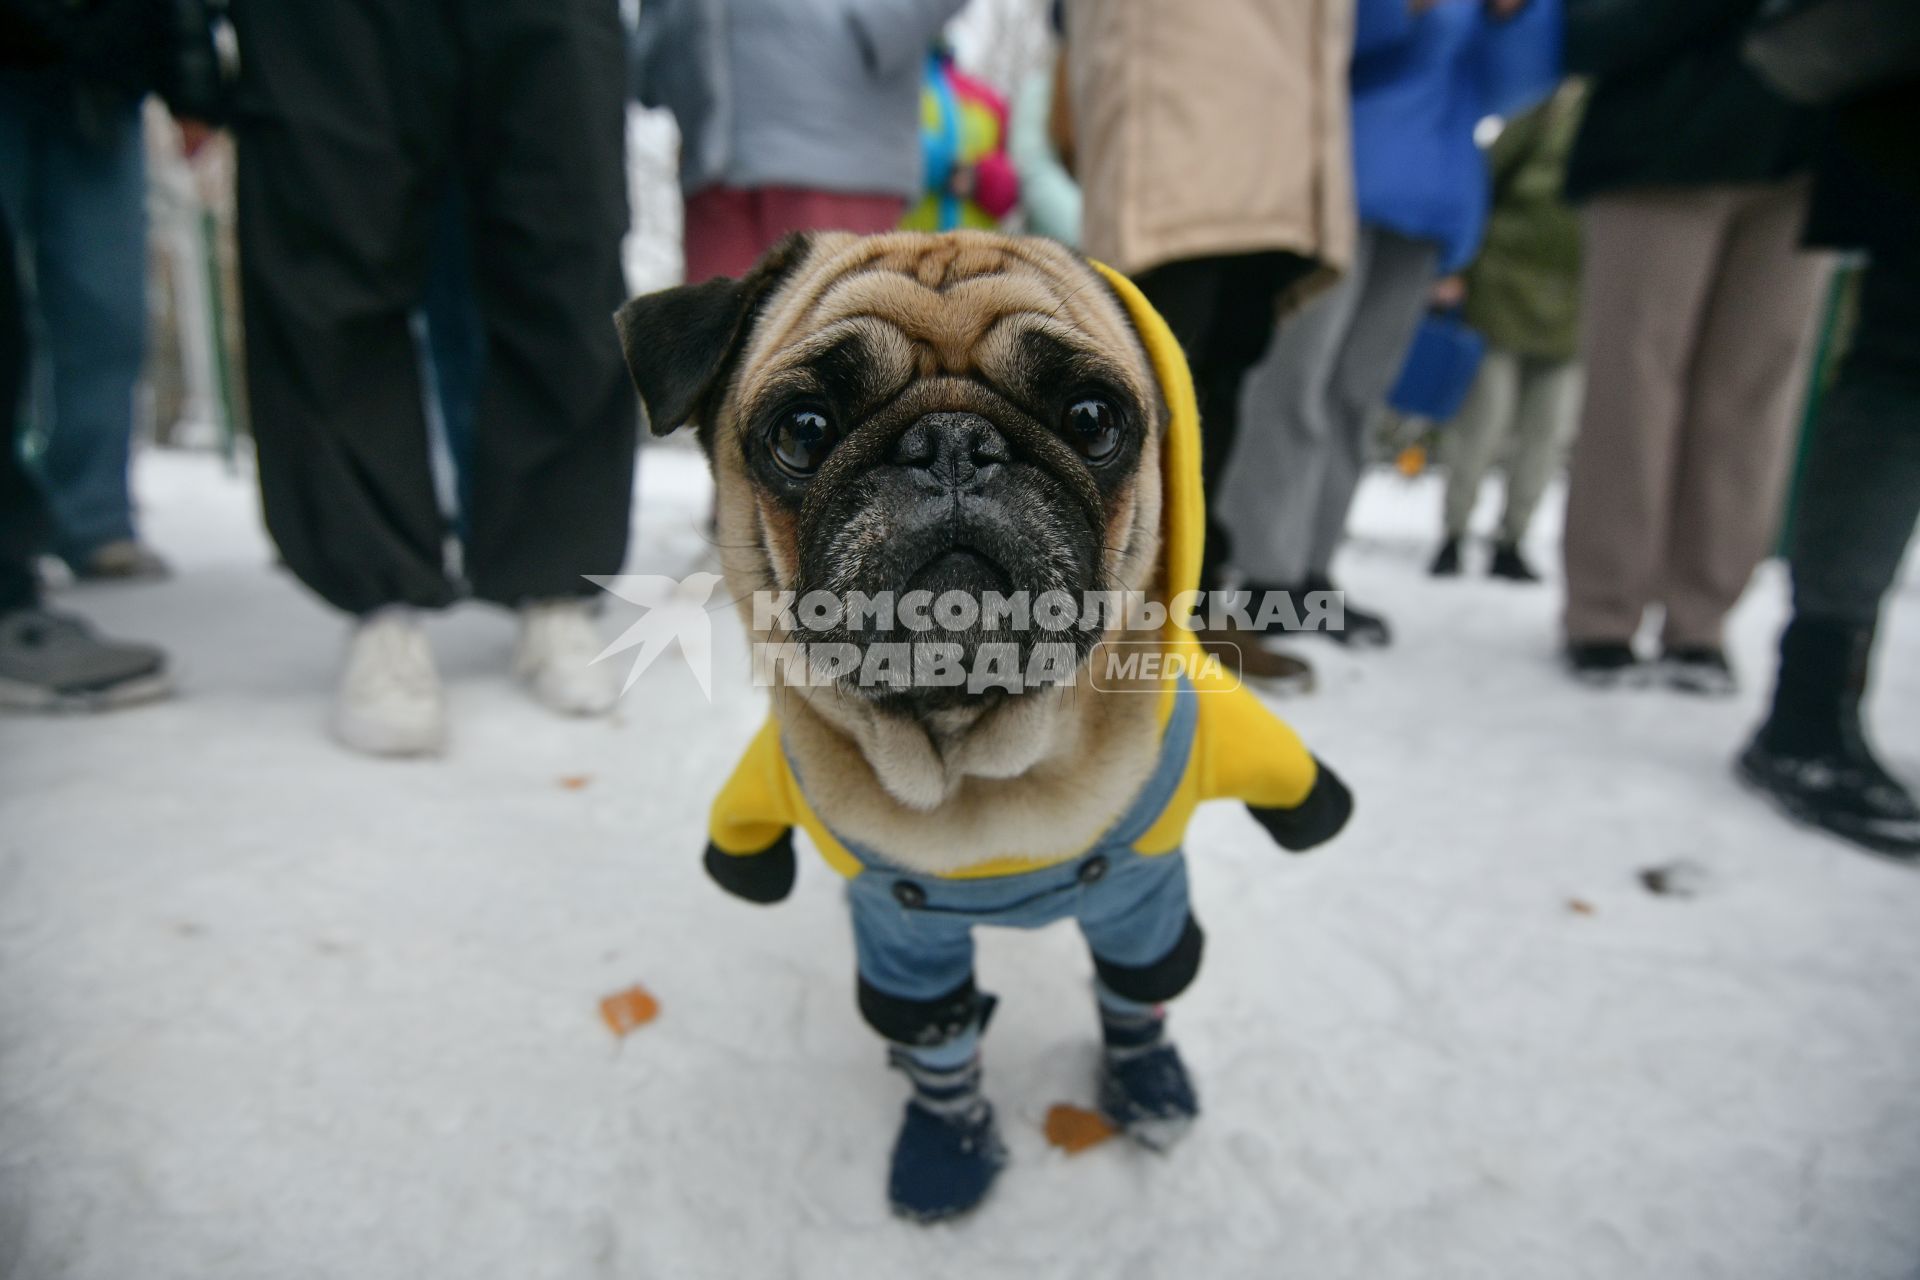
{"points": [[1240, 749]]}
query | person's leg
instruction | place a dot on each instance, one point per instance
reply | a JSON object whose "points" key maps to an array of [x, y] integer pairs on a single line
{"points": [[1743, 401], [1474, 438], [1548, 401], [721, 235], [455, 337], [90, 276], [1650, 260], [1392, 301], [1274, 477], [1186, 293], [555, 436], [1221, 310], [343, 115], [47, 661], [24, 522], [1858, 506]]}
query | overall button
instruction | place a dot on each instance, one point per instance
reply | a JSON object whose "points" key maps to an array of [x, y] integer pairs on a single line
{"points": [[909, 895], [1094, 869]]}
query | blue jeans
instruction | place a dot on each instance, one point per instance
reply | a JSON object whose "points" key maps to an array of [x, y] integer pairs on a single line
{"points": [[913, 934], [77, 206]]}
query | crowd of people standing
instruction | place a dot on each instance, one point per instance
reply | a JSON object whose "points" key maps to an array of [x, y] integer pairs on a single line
{"points": [[1294, 184]]}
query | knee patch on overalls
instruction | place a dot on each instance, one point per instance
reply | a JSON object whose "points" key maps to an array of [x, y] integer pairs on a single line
{"points": [[1165, 978], [924, 1023]]}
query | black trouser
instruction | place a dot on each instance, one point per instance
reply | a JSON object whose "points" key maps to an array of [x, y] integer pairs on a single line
{"points": [[1223, 311], [1859, 499], [354, 117], [1860, 491], [23, 513]]}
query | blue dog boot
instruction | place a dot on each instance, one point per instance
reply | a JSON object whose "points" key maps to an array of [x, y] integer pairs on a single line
{"points": [[948, 1152], [1144, 1088]]}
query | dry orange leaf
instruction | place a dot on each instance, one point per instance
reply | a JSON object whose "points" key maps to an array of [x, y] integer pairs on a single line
{"points": [[626, 1011], [1074, 1129], [575, 781]]}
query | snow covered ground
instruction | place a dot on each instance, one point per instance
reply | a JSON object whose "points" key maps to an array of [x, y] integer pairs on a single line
{"points": [[270, 1012]]}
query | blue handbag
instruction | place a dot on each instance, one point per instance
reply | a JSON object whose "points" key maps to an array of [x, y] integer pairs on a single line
{"points": [[1440, 368]]}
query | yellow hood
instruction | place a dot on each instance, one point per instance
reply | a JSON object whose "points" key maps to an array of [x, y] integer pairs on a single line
{"points": [[1184, 503]]}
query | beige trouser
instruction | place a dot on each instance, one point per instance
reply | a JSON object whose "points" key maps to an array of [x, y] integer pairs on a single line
{"points": [[1522, 407], [1699, 307]]}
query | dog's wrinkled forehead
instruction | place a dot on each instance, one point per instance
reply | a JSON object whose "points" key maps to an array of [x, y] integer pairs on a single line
{"points": [[878, 313]]}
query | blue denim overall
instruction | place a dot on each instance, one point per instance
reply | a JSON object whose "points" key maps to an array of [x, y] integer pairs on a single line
{"points": [[913, 933]]}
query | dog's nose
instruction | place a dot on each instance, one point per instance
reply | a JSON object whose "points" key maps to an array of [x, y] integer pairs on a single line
{"points": [[953, 448]]}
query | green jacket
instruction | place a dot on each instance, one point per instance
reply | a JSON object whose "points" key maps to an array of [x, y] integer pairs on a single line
{"points": [[1523, 291]]}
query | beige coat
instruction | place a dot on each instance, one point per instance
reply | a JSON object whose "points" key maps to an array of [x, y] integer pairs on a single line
{"points": [[1206, 127]]}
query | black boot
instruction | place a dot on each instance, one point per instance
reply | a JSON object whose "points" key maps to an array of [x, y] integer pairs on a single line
{"points": [[1508, 563], [1605, 664], [1811, 757], [1362, 630], [1446, 561]]}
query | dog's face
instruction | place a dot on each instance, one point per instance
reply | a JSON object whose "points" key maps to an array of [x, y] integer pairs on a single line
{"points": [[962, 413]]}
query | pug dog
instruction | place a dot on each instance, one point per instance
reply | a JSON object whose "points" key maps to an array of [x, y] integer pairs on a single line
{"points": [[958, 500]]}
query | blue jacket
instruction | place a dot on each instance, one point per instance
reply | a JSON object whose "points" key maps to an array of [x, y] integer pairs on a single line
{"points": [[1420, 85]]}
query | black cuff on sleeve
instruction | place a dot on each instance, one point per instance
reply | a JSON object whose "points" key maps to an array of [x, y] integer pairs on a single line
{"points": [[1165, 978], [1315, 820], [766, 876]]}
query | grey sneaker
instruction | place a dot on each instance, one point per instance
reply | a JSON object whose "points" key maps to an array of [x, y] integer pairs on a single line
{"points": [[53, 662], [122, 560]]}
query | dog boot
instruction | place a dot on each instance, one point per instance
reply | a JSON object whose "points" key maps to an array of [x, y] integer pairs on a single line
{"points": [[948, 1152], [1144, 1088]]}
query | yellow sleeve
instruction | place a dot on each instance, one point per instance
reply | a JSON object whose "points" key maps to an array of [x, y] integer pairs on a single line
{"points": [[1245, 752], [758, 805]]}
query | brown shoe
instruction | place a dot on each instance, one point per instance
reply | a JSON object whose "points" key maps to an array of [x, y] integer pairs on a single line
{"points": [[1242, 655]]}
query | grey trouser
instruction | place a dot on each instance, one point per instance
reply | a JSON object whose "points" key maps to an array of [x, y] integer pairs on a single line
{"points": [[1307, 406], [1699, 305], [1524, 407]]}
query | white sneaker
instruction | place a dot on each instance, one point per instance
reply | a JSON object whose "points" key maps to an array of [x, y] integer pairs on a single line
{"points": [[559, 641], [390, 702]]}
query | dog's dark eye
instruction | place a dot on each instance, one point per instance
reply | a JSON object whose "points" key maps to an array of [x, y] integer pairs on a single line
{"points": [[802, 439], [1093, 427]]}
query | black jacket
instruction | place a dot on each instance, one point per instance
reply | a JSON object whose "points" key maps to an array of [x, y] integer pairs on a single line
{"points": [[114, 50], [1674, 103]]}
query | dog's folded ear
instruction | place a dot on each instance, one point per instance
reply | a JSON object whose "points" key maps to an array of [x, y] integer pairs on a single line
{"points": [[680, 342]]}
